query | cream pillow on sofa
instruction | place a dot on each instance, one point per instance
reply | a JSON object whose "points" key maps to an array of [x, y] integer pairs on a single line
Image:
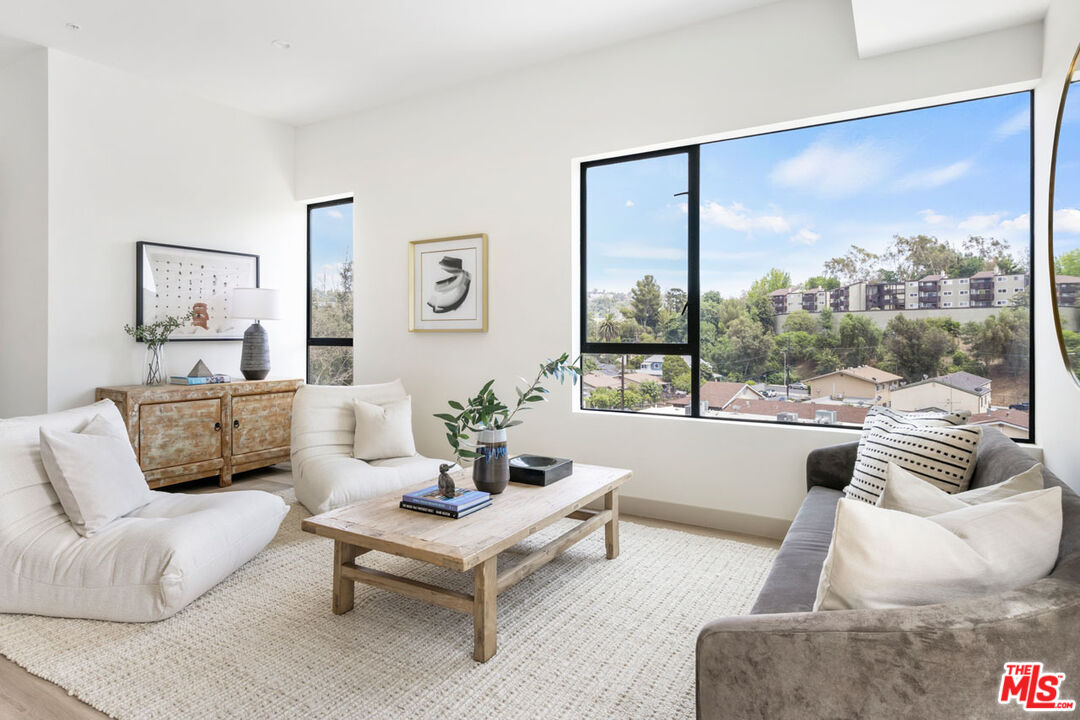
{"points": [[94, 473], [885, 558], [909, 493], [383, 431]]}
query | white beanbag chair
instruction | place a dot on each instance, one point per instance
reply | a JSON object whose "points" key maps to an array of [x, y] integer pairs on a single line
{"points": [[142, 567], [325, 473]]}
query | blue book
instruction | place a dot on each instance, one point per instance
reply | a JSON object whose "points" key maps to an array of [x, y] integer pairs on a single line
{"points": [[431, 497]]}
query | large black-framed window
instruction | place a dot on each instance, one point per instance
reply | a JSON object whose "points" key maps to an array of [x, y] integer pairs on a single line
{"points": [[805, 275], [330, 292]]}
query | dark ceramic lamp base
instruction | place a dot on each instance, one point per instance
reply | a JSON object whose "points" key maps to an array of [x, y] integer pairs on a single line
{"points": [[255, 355]]}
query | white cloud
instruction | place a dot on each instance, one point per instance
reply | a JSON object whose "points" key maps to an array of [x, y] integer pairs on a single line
{"points": [[978, 223], [629, 203], [934, 177], [834, 171], [639, 251], [805, 236], [1018, 123], [932, 218], [1067, 220], [336, 214], [737, 217], [1019, 223]]}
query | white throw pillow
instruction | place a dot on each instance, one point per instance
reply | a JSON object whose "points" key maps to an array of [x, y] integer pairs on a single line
{"points": [[885, 558], [94, 473], [383, 431], [944, 456], [909, 493]]}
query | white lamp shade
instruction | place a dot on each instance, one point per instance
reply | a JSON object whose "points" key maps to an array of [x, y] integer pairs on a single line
{"points": [[256, 304]]}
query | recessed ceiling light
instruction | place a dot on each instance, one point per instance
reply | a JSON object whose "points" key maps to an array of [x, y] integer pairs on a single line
{"points": [[281, 44], [72, 26]]}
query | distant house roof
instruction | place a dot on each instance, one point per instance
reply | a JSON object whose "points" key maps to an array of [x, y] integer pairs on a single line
{"points": [[781, 291], [1066, 279], [932, 278], [1002, 416], [862, 372], [805, 410], [637, 378], [720, 394], [983, 274], [971, 384], [596, 380], [654, 358], [966, 381]]}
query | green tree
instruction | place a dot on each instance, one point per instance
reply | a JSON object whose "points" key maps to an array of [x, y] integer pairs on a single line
{"points": [[589, 364], [650, 391], [800, 321], [645, 302], [856, 265], [675, 300], [607, 330], [825, 320], [775, 279], [860, 340], [750, 347], [673, 366], [759, 309], [917, 256], [915, 348], [332, 316], [1068, 263], [824, 282]]}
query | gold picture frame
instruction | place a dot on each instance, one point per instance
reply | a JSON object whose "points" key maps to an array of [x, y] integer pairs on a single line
{"points": [[448, 284]]}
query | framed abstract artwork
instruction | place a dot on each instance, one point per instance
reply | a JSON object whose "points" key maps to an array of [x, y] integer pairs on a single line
{"points": [[448, 284], [175, 280]]}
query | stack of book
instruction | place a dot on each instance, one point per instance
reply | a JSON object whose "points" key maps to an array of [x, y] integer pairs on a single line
{"points": [[430, 500], [192, 380]]}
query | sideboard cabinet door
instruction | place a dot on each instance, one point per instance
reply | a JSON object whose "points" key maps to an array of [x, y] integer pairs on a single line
{"points": [[261, 422], [177, 433]]}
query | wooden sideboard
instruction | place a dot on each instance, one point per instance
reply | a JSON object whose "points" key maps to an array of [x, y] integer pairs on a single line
{"points": [[187, 432]]}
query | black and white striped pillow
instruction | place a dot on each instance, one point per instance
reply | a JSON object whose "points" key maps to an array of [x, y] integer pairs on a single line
{"points": [[927, 444]]}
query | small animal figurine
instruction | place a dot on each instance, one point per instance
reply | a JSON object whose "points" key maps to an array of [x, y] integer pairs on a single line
{"points": [[446, 483]]}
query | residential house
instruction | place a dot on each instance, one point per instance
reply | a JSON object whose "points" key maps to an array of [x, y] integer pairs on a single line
{"points": [[1014, 423], [717, 395], [864, 383], [953, 392], [1068, 290]]}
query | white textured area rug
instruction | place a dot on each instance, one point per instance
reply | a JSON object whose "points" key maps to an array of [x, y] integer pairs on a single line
{"points": [[584, 637]]}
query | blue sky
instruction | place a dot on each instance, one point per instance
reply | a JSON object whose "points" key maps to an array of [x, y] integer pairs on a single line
{"points": [[1067, 181], [797, 198], [331, 243]]}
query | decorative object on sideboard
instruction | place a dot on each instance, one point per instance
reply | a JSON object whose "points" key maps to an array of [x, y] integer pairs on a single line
{"points": [[199, 369], [178, 280], [539, 469], [256, 304], [448, 284], [446, 483], [156, 335], [489, 417]]}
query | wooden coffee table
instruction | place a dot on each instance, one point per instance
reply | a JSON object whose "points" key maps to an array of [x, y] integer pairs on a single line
{"points": [[471, 543]]}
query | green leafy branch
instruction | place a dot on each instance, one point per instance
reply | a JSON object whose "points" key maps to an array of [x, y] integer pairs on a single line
{"points": [[158, 332], [485, 411]]}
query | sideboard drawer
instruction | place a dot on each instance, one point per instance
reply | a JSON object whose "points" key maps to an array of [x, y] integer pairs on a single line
{"points": [[177, 433], [261, 422]]}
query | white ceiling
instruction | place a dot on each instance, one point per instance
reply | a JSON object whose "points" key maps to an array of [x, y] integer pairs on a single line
{"points": [[884, 26], [348, 55]]}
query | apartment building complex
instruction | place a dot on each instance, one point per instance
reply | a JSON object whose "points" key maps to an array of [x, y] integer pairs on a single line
{"points": [[981, 290], [1068, 290]]}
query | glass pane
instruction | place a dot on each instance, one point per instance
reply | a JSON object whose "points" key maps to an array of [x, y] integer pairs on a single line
{"points": [[331, 232], [882, 260], [656, 384], [330, 365], [636, 244], [1067, 227]]}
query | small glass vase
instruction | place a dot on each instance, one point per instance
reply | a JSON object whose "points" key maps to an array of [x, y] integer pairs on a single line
{"points": [[156, 373]]}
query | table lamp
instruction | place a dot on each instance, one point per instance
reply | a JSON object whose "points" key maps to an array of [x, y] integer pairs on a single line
{"points": [[256, 304]]}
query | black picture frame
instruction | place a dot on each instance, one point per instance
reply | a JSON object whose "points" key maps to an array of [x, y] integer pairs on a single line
{"points": [[143, 250]]}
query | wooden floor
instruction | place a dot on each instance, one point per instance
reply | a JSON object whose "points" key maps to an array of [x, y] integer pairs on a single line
{"points": [[26, 697]]}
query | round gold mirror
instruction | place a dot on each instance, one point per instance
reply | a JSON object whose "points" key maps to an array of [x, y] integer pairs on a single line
{"points": [[1065, 219]]}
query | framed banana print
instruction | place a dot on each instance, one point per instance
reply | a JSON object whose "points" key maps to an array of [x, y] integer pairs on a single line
{"points": [[448, 284]]}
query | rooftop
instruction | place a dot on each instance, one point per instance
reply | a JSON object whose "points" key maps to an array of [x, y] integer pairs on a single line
{"points": [[1018, 418], [862, 372], [720, 394]]}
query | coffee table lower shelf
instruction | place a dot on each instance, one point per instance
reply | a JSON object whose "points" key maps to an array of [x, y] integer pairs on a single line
{"points": [[487, 581]]}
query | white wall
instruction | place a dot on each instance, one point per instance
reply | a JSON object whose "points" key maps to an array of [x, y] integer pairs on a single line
{"points": [[496, 157], [1057, 396], [128, 161], [23, 233]]}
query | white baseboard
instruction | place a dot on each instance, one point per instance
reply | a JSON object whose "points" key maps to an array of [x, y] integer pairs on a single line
{"points": [[705, 517]]}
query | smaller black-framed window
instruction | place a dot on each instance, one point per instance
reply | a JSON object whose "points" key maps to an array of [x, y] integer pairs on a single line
{"points": [[330, 292]]}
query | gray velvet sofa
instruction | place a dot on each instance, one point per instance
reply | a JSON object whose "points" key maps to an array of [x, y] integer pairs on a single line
{"points": [[934, 661]]}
